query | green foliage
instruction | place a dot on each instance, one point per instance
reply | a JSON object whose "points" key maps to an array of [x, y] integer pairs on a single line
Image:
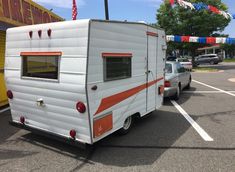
{"points": [[180, 21], [229, 49]]}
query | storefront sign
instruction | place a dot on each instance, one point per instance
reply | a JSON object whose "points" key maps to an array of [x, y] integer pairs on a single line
{"points": [[25, 12]]}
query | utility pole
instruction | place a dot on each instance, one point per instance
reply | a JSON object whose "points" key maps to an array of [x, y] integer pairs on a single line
{"points": [[106, 9]]}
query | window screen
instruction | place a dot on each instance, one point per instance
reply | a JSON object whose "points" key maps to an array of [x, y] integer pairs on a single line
{"points": [[40, 67], [117, 68]]}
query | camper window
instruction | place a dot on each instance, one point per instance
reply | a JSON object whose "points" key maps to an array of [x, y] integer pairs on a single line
{"points": [[117, 68], [40, 67]]}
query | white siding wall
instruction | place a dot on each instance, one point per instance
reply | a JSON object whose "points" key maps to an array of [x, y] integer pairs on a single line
{"points": [[60, 114], [117, 38], [161, 56]]}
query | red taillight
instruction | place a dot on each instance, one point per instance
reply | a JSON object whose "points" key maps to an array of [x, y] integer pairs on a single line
{"points": [[9, 94], [22, 120], [167, 84], [81, 107], [72, 134]]}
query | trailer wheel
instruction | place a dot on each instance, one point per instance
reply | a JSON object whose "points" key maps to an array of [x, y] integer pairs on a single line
{"points": [[126, 126]]}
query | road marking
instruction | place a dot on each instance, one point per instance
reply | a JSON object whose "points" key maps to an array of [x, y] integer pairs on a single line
{"points": [[205, 92], [223, 91], [4, 110], [200, 131], [232, 79]]}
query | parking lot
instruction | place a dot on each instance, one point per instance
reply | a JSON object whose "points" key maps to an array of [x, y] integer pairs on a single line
{"points": [[196, 133]]}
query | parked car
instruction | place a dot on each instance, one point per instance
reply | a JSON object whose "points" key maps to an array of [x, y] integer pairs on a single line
{"points": [[171, 58], [207, 58], [176, 79], [186, 63]]}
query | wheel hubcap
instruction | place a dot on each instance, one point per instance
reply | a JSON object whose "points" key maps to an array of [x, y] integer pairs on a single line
{"points": [[127, 123]]}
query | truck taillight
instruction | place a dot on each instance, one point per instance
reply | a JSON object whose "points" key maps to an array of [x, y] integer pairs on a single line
{"points": [[72, 134], [22, 120], [9, 94], [81, 107], [167, 84]]}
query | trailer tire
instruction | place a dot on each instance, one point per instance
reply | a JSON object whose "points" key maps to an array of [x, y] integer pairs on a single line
{"points": [[126, 126]]}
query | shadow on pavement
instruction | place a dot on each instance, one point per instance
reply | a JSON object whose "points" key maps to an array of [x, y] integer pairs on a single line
{"points": [[13, 154], [149, 138], [183, 97], [6, 130]]}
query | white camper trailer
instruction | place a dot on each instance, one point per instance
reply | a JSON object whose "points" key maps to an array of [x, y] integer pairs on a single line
{"points": [[83, 80]]}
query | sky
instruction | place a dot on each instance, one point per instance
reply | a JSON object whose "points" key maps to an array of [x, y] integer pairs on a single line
{"points": [[130, 10]]}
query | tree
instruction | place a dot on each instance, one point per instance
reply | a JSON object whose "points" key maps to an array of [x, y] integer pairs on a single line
{"points": [[229, 49], [177, 20]]}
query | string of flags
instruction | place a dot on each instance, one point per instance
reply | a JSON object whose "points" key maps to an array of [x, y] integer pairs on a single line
{"points": [[203, 40], [202, 6]]}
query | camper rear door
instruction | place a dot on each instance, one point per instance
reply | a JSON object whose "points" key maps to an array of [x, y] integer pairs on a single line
{"points": [[151, 71]]}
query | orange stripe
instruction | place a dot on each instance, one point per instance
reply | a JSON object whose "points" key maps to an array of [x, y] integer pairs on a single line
{"points": [[152, 34], [116, 54], [56, 53], [117, 98]]}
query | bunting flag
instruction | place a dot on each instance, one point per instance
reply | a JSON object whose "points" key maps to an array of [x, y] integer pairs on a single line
{"points": [[203, 6], [202, 40], [74, 10]]}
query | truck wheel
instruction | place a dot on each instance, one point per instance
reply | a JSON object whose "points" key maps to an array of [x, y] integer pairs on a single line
{"points": [[177, 94], [126, 126]]}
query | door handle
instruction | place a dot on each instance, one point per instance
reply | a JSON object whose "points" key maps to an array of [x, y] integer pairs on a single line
{"points": [[40, 102]]}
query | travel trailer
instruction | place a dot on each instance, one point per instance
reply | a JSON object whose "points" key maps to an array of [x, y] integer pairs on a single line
{"points": [[80, 81]]}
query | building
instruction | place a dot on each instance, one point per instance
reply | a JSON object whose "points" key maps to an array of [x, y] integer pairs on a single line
{"points": [[15, 13], [214, 49]]}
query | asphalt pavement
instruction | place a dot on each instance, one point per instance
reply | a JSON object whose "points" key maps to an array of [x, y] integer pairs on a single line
{"points": [[162, 141]]}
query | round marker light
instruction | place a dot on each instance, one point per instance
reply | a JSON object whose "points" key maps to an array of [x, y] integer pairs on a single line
{"points": [[22, 119], [9, 94], [81, 107], [72, 133]]}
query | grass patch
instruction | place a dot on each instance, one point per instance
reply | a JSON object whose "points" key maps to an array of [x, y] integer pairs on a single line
{"points": [[204, 69], [229, 60]]}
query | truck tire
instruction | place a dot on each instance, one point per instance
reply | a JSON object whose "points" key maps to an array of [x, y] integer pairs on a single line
{"points": [[126, 126]]}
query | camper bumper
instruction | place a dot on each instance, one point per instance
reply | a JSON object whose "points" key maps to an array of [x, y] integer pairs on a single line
{"points": [[49, 135]]}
